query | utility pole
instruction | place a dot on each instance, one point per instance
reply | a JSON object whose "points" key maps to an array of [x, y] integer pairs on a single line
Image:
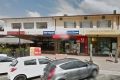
{"points": [[19, 41], [91, 55], [116, 55], [117, 52]]}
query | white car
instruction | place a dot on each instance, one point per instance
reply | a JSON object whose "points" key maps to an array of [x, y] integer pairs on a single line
{"points": [[4, 55], [27, 67], [5, 61]]}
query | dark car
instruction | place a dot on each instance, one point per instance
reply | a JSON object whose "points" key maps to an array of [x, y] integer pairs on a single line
{"points": [[70, 69]]}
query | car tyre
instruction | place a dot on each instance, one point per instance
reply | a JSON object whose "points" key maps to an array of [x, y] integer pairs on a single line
{"points": [[20, 77], [94, 73]]}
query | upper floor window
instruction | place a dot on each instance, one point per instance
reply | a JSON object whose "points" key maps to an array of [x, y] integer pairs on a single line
{"points": [[16, 25], [69, 25], [104, 24], [41, 25], [86, 24], [28, 25]]}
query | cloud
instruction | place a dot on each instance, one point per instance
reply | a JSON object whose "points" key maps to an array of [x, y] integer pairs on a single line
{"points": [[99, 6], [3, 16], [65, 8], [33, 14], [86, 7]]}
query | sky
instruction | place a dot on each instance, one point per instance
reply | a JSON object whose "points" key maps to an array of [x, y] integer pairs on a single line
{"points": [[38, 8]]}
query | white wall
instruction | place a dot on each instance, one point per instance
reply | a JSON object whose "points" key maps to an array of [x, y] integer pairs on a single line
{"points": [[50, 25]]}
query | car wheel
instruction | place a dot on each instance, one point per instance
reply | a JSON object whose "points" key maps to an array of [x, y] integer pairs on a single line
{"points": [[20, 77], [94, 73]]}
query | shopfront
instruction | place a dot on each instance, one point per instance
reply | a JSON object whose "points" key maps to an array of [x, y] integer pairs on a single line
{"points": [[77, 45], [104, 45]]}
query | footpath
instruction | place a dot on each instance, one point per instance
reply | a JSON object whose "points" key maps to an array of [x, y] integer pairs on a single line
{"points": [[106, 67]]}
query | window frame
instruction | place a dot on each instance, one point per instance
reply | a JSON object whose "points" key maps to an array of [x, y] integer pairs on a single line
{"points": [[14, 27], [109, 24], [28, 26], [46, 26], [69, 22], [86, 21]]}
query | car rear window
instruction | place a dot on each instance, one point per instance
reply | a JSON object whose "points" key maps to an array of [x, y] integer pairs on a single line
{"points": [[30, 62], [5, 59], [14, 63]]}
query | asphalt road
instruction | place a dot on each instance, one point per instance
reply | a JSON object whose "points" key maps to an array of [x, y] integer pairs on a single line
{"points": [[100, 77]]}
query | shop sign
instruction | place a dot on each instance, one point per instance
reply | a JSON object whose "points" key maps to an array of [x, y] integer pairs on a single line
{"points": [[60, 36], [102, 32], [73, 32], [48, 33], [15, 33], [35, 51]]}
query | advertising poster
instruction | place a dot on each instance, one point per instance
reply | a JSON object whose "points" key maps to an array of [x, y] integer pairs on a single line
{"points": [[35, 51]]}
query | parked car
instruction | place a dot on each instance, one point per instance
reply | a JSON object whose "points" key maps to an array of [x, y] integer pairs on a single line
{"points": [[27, 67], [70, 69], [5, 61], [4, 55]]}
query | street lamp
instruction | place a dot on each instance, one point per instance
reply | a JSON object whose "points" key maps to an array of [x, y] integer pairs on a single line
{"points": [[19, 40]]}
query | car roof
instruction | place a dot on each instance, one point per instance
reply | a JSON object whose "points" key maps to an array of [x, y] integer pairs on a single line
{"points": [[30, 57], [4, 55], [59, 61]]}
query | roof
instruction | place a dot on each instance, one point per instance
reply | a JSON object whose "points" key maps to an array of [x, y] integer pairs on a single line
{"points": [[29, 57], [14, 40], [59, 61], [58, 16]]}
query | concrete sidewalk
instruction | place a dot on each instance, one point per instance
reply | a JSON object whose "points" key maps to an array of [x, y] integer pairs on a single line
{"points": [[106, 67]]}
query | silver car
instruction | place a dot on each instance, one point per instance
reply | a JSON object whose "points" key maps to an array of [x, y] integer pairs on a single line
{"points": [[70, 69]]}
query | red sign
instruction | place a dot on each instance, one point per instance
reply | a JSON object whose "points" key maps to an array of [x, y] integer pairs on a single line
{"points": [[35, 51], [15, 32], [60, 36]]}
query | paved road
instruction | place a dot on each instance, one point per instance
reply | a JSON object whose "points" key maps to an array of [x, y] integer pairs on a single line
{"points": [[100, 77]]}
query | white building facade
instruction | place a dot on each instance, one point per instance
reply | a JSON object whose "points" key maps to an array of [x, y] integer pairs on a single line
{"points": [[101, 30]]}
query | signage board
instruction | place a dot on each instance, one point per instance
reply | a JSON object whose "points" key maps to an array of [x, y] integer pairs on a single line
{"points": [[101, 32], [48, 33], [15, 32], [35, 51], [73, 32]]}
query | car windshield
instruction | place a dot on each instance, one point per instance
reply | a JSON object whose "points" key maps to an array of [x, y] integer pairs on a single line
{"points": [[14, 63]]}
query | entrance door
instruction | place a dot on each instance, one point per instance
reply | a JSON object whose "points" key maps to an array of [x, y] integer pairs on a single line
{"points": [[82, 47]]}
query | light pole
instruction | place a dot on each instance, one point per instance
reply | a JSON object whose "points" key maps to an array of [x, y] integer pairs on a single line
{"points": [[19, 40]]}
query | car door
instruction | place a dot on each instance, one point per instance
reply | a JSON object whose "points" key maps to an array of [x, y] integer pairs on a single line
{"points": [[30, 68], [70, 70], [42, 64], [4, 64], [82, 69]]}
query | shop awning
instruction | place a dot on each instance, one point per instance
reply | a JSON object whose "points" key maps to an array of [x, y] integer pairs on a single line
{"points": [[13, 40]]}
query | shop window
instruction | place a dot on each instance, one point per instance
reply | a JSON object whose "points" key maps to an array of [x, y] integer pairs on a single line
{"points": [[16, 25], [41, 25], [28, 25], [69, 25], [86, 24], [104, 24]]}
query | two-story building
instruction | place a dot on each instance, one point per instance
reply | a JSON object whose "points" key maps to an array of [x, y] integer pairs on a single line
{"points": [[69, 34]]}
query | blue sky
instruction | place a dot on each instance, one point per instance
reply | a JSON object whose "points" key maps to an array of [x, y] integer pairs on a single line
{"points": [[36, 8]]}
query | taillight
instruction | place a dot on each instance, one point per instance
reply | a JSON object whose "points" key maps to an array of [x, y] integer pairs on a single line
{"points": [[13, 69], [51, 74]]}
